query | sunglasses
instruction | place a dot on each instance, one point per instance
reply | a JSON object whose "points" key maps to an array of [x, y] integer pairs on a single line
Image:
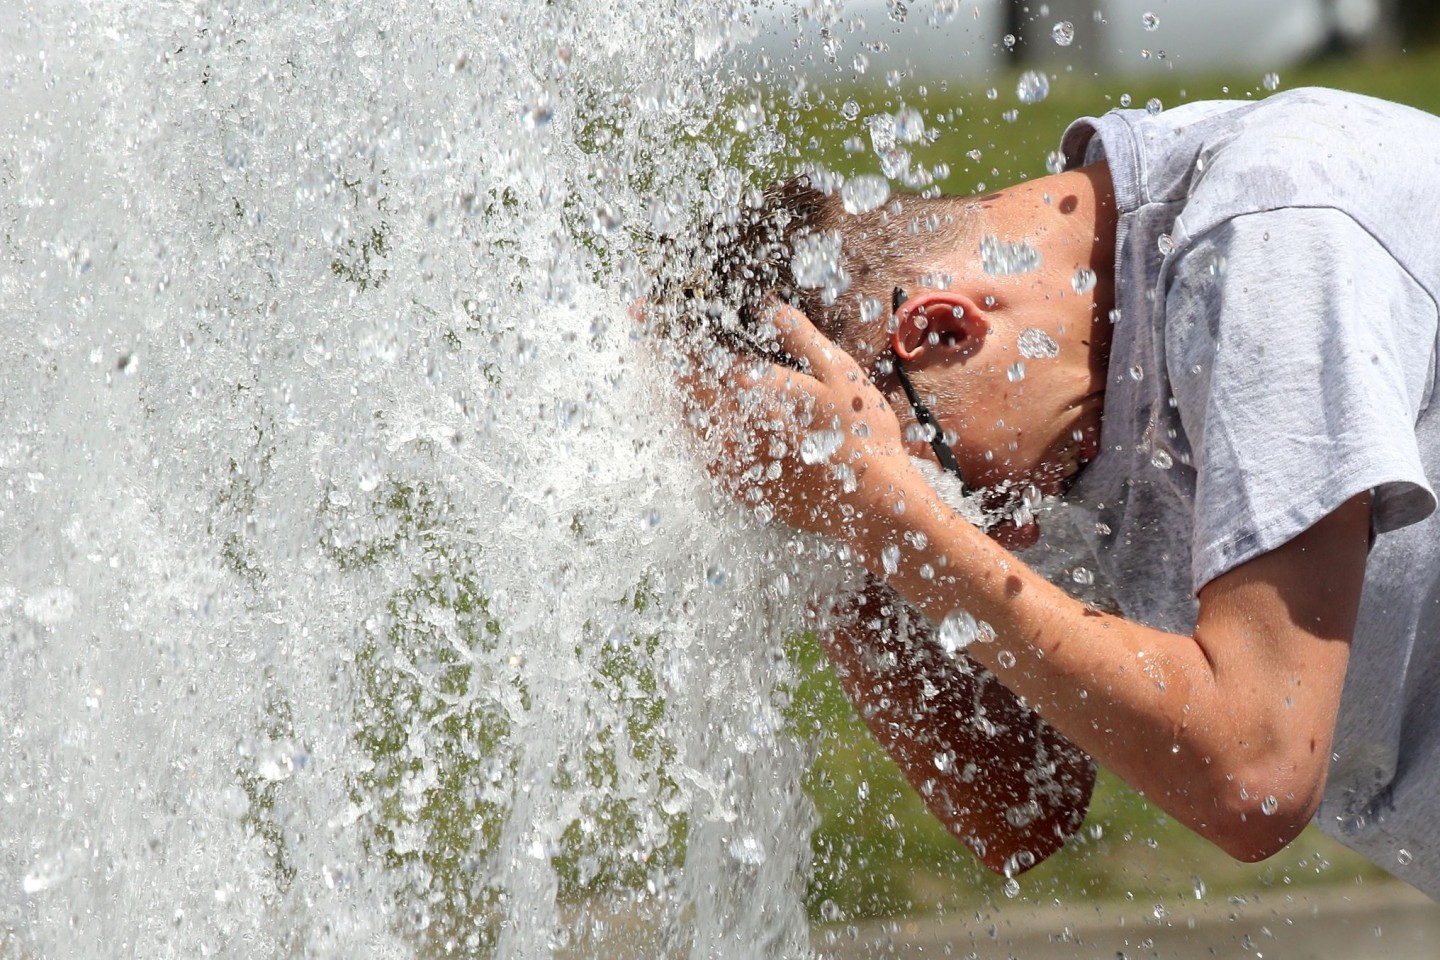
{"points": [[942, 450]]}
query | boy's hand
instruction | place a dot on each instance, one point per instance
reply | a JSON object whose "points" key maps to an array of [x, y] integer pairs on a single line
{"points": [[819, 448]]}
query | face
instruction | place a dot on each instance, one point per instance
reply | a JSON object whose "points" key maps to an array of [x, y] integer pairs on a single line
{"points": [[1012, 362], [998, 380]]}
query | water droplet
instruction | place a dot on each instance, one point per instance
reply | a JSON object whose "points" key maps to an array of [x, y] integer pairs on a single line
{"points": [[1005, 659], [1032, 87], [1137, 372], [716, 577], [909, 125], [1102, 528], [820, 445], [1165, 245], [537, 114], [860, 63], [1083, 281], [1153, 106], [816, 263], [1158, 911], [1000, 258], [45, 874], [850, 110], [864, 193], [1063, 33], [1055, 161], [276, 762], [749, 116], [1082, 576], [747, 850], [1271, 81], [1199, 886], [890, 558], [1016, 373], [957, 631], [604, 220], [1269, 805], [1035, 344], [1125, 100], [1009, 41], [1404, 857], [1150, 21], [1161, 460]]}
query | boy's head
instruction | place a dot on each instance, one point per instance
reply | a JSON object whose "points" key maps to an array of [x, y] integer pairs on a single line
{"points": [[995, 332], [800, 244]]}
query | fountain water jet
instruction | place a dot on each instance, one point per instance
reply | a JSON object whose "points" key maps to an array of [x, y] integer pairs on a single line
{"points": [[356, 597]]}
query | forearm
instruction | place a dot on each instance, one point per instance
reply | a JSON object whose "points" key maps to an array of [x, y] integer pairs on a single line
{"points": [[1191, 725], [998, 777]]}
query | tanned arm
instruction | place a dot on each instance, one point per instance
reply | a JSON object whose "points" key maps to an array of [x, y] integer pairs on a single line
{"points": [[1227, 729], [1000, 779]]}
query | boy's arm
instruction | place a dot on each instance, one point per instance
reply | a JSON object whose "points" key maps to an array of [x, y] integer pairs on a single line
{"points": [[999, 778], [1228, 729]]}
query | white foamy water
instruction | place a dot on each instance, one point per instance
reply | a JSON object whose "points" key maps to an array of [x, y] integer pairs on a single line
{"points": [[357, 598]]}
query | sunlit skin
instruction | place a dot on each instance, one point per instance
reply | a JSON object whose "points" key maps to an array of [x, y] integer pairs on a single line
{"points": [[1020, 428], [1227, 729]]}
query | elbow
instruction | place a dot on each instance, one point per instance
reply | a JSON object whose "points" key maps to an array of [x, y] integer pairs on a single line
{"points": [[1260, 811], [1252, 842]]}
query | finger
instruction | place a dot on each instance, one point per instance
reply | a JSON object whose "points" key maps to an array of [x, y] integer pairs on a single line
{"points": [[801, 340], [740, 393], [707, 369]]}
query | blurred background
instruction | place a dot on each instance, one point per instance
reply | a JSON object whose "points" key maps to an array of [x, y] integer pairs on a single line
{"points": [[1109, 38], [968, 70]]}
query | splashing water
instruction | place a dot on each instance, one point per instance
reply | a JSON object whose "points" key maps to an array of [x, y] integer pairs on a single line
{"points": [[1036, 344], [1004, 258], [354, 595], [1032, 87]]}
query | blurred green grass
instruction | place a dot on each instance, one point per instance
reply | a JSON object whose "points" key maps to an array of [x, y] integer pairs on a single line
{"points": [[877, 851], [1013, 138]]}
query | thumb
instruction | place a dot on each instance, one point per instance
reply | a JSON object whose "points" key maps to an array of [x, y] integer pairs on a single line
{"points": [[801, 340]]}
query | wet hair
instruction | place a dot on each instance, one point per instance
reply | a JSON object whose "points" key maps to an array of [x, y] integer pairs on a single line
{"points": [[733, 273]]}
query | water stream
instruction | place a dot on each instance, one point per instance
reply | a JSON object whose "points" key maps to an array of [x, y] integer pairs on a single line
{"points": [[357, 599]]}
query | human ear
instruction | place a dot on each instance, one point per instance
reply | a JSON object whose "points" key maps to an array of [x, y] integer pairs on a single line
{"points": [[937, 320]]}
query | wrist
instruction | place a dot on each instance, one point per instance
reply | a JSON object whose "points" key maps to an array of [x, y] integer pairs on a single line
{"points": [[896, 528]]}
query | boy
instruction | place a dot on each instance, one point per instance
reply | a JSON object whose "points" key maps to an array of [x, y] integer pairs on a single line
{"points": [[1225, 314]]}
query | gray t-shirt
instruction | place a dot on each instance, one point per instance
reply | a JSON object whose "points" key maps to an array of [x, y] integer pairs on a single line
{"points": [[1274, 355]]}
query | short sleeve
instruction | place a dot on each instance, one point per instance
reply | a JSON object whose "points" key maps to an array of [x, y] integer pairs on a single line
{"points": [[1300, 355]]}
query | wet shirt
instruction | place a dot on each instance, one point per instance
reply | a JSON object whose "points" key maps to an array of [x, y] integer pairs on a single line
{"points": [[1274, 355]]}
